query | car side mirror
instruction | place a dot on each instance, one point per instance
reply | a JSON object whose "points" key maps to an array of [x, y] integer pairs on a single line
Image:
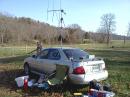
{"points": [[34, 56]]}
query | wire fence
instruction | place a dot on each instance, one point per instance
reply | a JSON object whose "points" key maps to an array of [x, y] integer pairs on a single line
{"points": [[15, 51], [7, 51]]}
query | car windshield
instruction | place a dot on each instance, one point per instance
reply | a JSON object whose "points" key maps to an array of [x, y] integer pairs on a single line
{"points": [[76, 54]]}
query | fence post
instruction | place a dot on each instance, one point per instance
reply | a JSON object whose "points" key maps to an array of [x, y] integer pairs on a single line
{"points": [[26, 48]]}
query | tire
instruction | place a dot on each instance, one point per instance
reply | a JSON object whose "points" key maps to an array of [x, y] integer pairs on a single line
{"points": [[26, 69]]}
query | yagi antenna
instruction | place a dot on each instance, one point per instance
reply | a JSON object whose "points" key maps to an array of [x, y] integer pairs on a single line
{"points": [[61, 20], [47, 10]]}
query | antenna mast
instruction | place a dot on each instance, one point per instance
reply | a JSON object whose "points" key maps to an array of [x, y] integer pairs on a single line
{"points": [[61, 20]]}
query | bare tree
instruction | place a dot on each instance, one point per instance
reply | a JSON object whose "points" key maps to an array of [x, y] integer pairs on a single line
{"points": [[75, 33], [108, 24], [101, 35], [74, 26], [128, 33], [26, 30]]}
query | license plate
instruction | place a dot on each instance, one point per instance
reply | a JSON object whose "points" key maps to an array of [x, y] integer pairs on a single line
{"points": [[95, 68]]}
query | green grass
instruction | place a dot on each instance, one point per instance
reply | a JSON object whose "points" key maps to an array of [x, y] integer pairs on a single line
{"points": [[118, 65], [117, 61], [6, 50], [14, 51]]}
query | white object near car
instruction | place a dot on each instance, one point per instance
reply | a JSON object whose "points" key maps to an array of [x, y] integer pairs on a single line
{"points": [[20, 80], [83, 67]]}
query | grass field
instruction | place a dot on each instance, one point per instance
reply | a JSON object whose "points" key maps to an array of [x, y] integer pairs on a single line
{"points": [[9, 50], [118, 65], [117, 62]]}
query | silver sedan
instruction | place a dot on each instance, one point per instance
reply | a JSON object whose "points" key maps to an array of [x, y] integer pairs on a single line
{"points": [[82, 67]]}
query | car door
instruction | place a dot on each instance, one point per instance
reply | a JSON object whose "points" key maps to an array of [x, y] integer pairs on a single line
{"points": [[33, 63], [47, 64], [41, 61]]}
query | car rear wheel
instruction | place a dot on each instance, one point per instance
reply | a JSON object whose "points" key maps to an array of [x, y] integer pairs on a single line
{"points": [[26, 69]]}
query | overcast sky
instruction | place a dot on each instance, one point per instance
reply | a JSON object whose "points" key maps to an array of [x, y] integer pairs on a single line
{"points": [[86, 13]]}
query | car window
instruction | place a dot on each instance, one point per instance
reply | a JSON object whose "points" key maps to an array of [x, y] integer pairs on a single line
{"points": [[76, 54], [44, 54], [54, 54]]}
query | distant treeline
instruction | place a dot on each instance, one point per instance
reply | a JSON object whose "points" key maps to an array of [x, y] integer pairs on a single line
{"points": [[20, 30]]}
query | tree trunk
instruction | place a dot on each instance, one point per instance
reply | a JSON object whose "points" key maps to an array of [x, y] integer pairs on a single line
{"points": [[108, 38], [124, 39]]}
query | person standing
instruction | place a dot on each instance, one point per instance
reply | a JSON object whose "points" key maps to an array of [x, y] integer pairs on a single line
{"points": [[39, 47]]}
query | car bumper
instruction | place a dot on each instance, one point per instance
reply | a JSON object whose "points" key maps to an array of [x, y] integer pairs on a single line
{"points": [[85, 79]]}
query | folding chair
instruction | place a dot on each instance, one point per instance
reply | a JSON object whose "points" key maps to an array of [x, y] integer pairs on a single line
{"points": [[54, 79], [61, 72]]}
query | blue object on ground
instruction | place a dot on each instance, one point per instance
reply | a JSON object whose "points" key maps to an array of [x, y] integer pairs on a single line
{"points": [[43, 85]]}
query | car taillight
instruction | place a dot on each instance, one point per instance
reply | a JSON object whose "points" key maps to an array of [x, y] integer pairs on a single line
{"points": [[79, 70]]}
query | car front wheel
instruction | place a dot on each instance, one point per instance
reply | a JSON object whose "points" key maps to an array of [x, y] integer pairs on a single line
{"points": [[26, 69]]}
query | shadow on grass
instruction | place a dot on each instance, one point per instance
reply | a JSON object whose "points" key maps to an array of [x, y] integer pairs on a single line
{"points": [[13, 59], [110, 53], [7, 78], [117, 62], [8, 75], [7, 82]]}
